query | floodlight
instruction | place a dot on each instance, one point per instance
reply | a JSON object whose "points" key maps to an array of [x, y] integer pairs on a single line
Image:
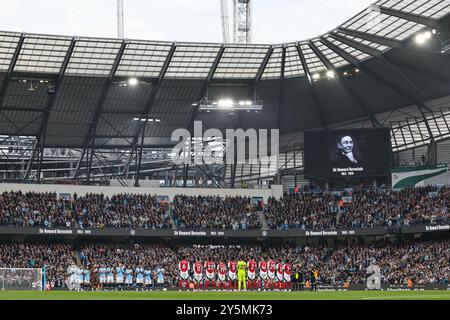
{"points": [[133, 81], [226, 103], [420, 39]]}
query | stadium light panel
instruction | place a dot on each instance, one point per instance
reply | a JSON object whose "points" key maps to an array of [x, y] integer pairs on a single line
{"points": [[133, 81], [316, 76], [330, 74], [420, 39], [226, 103]]}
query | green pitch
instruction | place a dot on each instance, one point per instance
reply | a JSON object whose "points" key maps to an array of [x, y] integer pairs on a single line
{"points": [[175, 295]]}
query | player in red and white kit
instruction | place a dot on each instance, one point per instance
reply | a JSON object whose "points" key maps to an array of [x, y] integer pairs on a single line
{"points": [[251, 273], [232, 275], [280, 274], [198, 275], [210, 270], [183, 267], [272, 276], [221, 276], [263, 277], [287, 275]]}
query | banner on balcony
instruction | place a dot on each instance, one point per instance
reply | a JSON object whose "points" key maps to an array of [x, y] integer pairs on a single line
{"points": [[420, 176]]}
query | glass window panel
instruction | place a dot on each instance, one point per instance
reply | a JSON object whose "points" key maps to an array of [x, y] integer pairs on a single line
{"points": [[335, 59], [273, 68], [91, 57], [193, 61], [43, 54], [293, 66], [241, 62], [8, 44], [143, 59]]}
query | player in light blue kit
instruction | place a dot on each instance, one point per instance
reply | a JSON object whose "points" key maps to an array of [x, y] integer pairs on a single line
{"points": [[119, 278], [148, 281], [129, 278], [139, 278], [160, 278], [102, 276], [86, 278], [110, 278]]}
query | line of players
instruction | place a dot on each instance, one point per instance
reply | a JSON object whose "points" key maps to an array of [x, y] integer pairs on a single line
{"points": [[118, 278], [268, 274]]}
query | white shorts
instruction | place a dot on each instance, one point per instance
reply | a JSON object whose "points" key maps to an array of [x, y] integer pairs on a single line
{"points": [[184, 275], [287, 277], [140, 281], [198, 277], [148, 282], [280, 277], [251, 275], [271, 275], [210, 276], [263, 275], [221, 277], [102, 280], [129, 281], [110, 280], [232, 276]]}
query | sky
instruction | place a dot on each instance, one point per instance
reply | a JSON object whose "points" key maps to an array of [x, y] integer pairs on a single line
{"points": [[274, 21]]}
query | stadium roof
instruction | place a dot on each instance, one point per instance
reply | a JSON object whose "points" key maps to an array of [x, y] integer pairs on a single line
{"points": [[89, 104]]}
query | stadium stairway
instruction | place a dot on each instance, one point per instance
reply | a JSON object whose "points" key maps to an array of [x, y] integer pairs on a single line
{"points": [[76, 256], [172, 221], [263, 221]]}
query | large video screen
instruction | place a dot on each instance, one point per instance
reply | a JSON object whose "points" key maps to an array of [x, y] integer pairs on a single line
{"points": [[351, 153]]}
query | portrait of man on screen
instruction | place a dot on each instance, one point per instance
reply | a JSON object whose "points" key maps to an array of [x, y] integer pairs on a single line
{"points": [[345, 153]]}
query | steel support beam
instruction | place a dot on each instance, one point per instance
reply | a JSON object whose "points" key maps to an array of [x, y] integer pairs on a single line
{"points": [[368, 50], [148, 108], [281, 89], [391, 43], [372, 38], [11, 67], [101, 101], [263, 66], [386, 82], [211, 73], [359, 102], [255, 82], [407, 16], [312, 87], [50, 106]]}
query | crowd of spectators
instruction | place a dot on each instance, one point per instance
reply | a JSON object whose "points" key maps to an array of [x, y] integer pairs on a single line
{"points": [[423, 262], [309, 208], [362, 208], [56, 257], [214, 212], [90, 211]]}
